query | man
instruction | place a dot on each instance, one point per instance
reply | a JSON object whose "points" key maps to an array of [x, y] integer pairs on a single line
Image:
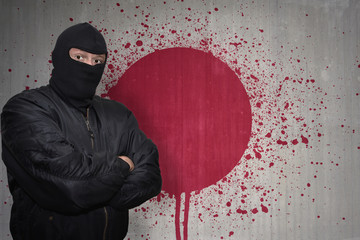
{"points": [[76, 162]]}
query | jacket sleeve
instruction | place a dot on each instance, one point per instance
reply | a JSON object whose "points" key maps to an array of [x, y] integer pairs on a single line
{"points": [[52, 170], [144, 182]]}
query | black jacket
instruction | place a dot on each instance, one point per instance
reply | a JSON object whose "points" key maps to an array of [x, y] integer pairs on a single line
{"points": [[64, 174]]}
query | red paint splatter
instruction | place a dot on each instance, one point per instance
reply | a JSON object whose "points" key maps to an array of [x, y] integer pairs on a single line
{"points": [[254, 78], [185, 127], [179, 69], [71, 19], [241, 211], [257, 154], [276, 113], [139, 43], [281, 142], [264, 209], [304, 139]]}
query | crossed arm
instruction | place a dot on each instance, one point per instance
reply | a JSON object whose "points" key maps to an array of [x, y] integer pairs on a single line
{"points": [[61, 177]]}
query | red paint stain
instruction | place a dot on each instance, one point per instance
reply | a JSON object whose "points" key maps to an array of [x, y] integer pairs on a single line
{"points": [[304, 139], [241, 211], [257, 154], [284, 143], [181, 102], [71, 19], [264, 209], [276, 112], [254, 78], [139, 43]]}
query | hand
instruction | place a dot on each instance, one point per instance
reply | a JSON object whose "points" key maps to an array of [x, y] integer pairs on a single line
{"points": [[128, 161]]}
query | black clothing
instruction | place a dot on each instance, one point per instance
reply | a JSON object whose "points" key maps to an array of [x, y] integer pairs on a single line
{"points": [[60, 144], [64, 174], [75, 81]]}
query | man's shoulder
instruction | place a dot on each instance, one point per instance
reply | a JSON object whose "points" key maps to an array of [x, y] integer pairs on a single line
{"points": [[33, 93], [37, 96]]}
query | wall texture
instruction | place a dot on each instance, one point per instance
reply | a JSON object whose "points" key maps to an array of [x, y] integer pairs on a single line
{"points": [[254, 105]]}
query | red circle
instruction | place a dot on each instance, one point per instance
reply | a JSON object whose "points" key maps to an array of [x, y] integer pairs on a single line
{"points": [[196, 110]]}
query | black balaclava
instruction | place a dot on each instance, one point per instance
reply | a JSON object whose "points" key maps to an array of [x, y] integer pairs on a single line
{"points": [[75, 81]]}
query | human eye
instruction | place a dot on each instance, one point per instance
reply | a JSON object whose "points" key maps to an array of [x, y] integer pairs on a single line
{"points": [[98, 61], [78, 57]]}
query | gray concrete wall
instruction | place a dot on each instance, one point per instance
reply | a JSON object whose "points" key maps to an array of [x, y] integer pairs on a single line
{"points": [[299, 61]]}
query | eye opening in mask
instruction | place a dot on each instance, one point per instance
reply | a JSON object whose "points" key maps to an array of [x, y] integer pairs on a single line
{"points": [[87, 57]]}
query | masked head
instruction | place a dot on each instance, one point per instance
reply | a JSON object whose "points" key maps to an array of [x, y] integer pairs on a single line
{"points": [[76, 81]]}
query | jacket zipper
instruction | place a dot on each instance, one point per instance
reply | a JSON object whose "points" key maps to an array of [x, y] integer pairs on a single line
{"points": [[87, 122], [92, 137]]}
